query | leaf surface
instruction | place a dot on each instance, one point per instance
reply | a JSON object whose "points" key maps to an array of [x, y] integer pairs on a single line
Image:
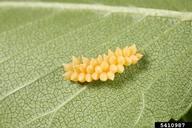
{"points": [[35, 40]]}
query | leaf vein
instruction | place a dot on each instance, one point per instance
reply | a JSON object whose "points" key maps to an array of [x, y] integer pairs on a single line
{"points": [[113, 9]]}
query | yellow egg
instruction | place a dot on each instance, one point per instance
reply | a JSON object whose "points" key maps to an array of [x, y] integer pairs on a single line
{"points": [[95, 76], [90, 69], [98, 69], [118, 52], [121, 60], [120, 68], [113, 59], [88, 77], [74, 76], [113, 68], [104, 66], [68, 67], [81, 77], [110, 75], [103, 76]]}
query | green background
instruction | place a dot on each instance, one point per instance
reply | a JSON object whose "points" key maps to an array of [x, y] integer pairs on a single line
{"points": [[35, 42]]}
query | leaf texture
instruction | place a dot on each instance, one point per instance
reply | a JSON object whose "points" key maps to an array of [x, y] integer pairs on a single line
{"points": [[36, 41]]}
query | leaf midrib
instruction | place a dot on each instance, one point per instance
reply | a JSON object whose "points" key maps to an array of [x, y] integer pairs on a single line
{"points": [[96, 7]]}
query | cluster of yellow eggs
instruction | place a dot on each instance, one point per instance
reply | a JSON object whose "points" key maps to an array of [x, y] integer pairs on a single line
{"points": [[103, 67]]}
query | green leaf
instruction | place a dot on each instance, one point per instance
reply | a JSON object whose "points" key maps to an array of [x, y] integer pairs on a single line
{"points": [[36, 38]]}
